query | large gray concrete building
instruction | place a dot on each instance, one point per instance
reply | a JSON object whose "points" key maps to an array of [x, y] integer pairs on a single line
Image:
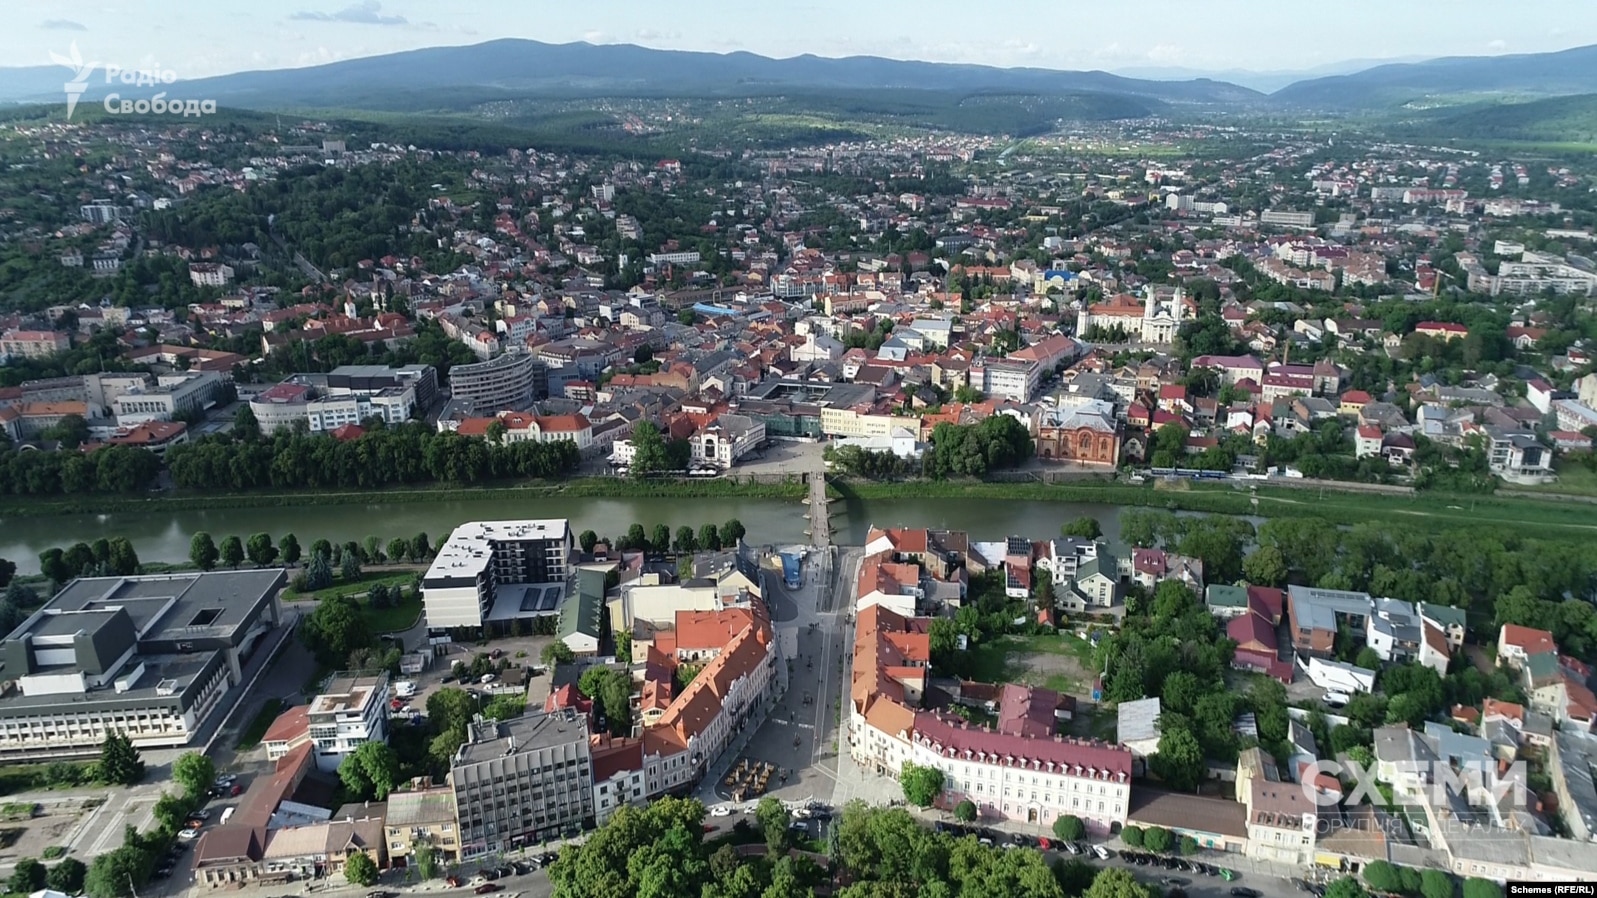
{"points": [[148, 656]]}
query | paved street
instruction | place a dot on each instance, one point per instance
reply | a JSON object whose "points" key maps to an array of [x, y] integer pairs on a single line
{"points": [[800, 733]]}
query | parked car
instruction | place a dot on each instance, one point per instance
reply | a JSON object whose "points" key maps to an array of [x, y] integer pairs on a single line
{"points": [[452, 881], [487, 678], [1103, 853], [720, 810], [487, 888], [1227, 874], [1245, 892], [379, 893], [187, 834]]}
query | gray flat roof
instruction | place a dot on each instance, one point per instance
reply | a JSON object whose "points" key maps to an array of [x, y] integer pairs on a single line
{"points": [[490, 739], [196, 605]]}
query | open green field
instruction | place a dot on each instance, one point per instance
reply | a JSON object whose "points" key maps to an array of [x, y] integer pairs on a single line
{"points": [[1573, 479], [1429, 510], [359, 587]]}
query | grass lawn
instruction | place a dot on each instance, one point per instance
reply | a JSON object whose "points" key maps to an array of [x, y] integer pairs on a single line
{"points": [[252, 734], [1060, 683], [1575, 479], [367, 580], [394, 618], [991, 662]]}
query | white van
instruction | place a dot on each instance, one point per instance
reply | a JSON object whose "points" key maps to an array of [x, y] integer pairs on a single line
{"points": [[1337, 699], [405, 689]]}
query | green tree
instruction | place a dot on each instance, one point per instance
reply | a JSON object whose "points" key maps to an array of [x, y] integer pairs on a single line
{"points": [[1132, 836], [1086, 527], [1436, 884], [335, 629], [773, 817], [120, 763], [370, 771], [1157, 839], [732, 531], [450, 707], [649, 454], [1069, 827], [420, 548], [360, 869], [709, 538], [660, 538], [171, 810], [1475, 887], [426, 861], [232, 552], [52, 563], [27, 876], [1179, 761], [1187, 847], [1346, 887], [260, 549], [194, 772], [557, 652], [349, 568], [1382, 876], [1367, 659], [1116, 883], [398, 549], [288, 549], [319, 572], [921, 785], [67, 876], [685, 541], [1266, 566], [203, 552], [636, 538], [587, 540], [124, 560], [117, 873], [965, 811]]}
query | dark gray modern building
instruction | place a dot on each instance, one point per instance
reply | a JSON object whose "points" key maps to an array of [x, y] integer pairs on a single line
{"points": [[510, 382], [522, 781], [149, 656]]}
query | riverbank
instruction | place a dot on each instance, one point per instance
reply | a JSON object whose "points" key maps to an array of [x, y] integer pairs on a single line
{"points": [[1531, 517], [577, 488]]}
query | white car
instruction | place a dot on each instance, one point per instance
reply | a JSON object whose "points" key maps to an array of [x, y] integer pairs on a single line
{"points": [[486, 678], [187, 834], [1103, 853], [721, 811]]}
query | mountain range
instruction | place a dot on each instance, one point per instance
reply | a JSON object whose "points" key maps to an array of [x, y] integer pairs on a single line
{"points": [[455, 78]]}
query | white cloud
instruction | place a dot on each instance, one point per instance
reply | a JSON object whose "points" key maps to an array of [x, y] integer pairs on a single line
{"points": [[366, 12], [1497, 46]]}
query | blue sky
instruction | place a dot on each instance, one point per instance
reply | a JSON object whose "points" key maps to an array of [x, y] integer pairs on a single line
{"points": [[196, 39]]}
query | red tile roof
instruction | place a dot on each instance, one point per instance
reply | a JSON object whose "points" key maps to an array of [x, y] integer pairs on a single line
{"points": [[1081, 757]]}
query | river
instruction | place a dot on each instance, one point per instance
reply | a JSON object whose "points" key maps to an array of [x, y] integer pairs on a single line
{"points": [[164, 536]]}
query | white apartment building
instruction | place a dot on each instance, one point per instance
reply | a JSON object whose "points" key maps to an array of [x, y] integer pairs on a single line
{"points": [[1035, 780], [210, 274], [351, 711], [170, 396], [394, 405], [482, 559], [1006, 378]]}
